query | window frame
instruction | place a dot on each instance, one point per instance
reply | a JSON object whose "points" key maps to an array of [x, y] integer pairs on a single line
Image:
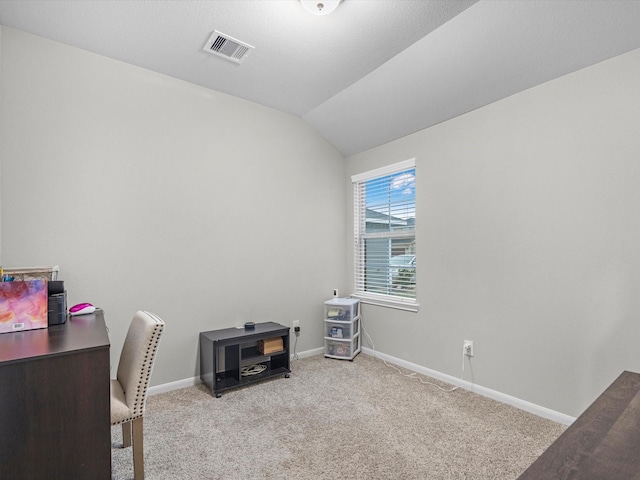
{"points": [[359, 232]]}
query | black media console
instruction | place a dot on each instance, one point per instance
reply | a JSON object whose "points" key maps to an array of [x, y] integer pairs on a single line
{"points": [[233, 357]]}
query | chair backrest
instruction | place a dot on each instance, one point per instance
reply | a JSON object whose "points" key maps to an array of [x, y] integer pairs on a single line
{"points": [[137, 357]]}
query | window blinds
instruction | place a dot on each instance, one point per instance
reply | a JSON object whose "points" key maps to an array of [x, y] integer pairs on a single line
{"points": [[384, 234]]}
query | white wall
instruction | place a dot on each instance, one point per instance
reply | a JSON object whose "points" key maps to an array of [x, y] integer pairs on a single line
{"points": [[528, 224], [1, 123], [152, 193]]}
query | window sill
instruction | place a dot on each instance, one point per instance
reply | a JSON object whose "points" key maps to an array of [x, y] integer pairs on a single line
{"points": [[409, 305]]}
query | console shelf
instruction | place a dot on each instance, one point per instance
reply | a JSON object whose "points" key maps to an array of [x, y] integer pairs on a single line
{"points": [[224, 353]]}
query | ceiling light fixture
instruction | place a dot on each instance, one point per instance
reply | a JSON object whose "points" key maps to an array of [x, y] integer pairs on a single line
{"points": [[320, 7]]}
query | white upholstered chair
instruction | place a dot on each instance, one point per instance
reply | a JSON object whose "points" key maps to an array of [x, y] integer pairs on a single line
{"points": [[129, 389]]}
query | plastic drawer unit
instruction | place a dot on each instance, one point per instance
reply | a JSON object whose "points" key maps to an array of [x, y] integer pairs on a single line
{"points": [[342, 328]]}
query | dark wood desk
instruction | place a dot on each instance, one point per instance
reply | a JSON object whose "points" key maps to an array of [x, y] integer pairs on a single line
{"points": [[55, 420], [603, 443]]}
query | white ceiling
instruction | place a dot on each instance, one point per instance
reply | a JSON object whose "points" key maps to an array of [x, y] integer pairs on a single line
{"points": [[370, 72]]}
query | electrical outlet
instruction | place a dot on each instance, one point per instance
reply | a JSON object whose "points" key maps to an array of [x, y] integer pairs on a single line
{"points": [[467, 348], [296, 326]]}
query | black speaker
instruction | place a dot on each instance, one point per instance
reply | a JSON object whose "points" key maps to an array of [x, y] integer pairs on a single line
{"points": [[55, 287], [57, 303]]}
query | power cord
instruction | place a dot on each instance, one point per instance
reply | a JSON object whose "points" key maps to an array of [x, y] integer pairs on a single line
{"points": [[249, 370], [295, 344], [412, 375]]}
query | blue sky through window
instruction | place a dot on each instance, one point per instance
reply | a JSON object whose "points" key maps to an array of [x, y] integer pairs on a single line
{"points": [[393, 195]]}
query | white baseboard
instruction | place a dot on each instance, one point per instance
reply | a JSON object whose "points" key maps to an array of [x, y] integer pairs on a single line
{"points": [[472, 387], [480, 390], [167, 387], [190, 382], [310, 353]]}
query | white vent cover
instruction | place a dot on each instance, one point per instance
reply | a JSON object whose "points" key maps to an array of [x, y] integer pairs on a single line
{"points": [[227, 47]]}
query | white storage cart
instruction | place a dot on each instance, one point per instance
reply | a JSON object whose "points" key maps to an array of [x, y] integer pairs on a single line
{"points": [[342, 328]]}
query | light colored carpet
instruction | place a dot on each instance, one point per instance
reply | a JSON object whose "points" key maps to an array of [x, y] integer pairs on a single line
{"points": [[334, 419]]}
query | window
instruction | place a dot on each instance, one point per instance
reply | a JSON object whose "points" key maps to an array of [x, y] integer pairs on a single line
{"points": [[385, 235]]}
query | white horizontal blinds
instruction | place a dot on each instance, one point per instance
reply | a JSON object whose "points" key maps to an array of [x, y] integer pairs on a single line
{"points": [[359, 201], [384, 203]]}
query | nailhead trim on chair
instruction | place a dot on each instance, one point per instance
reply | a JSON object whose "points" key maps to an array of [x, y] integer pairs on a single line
{"points": [[141, 393]]}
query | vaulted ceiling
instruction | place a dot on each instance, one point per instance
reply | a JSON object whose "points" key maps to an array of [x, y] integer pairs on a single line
{"points": [[368, 73]]}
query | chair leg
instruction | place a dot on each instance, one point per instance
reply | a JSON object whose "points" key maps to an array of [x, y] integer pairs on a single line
{"points": [[138, 450], [126, 434]]}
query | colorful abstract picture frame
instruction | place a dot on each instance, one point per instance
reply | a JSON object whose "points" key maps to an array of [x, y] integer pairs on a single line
{"points": [[23, 305]]}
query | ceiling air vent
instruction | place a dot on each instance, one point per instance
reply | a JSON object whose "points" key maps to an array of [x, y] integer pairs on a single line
{"points": [[227, 47]]}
